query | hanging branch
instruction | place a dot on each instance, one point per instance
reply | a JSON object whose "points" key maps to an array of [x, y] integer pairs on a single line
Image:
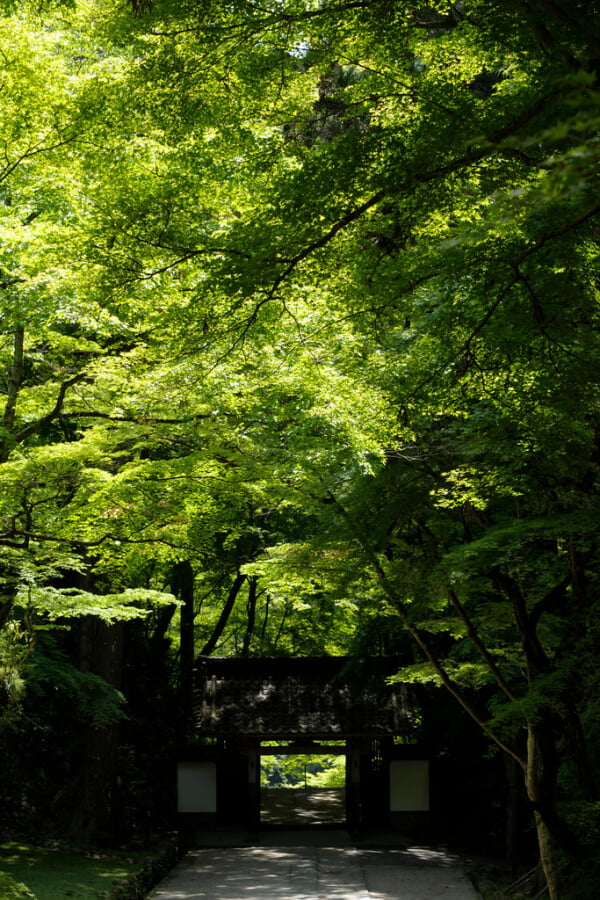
{"points": [[445, 678], [472, 632], [224, 617], [473, 636], [419, 637], [54, 413]]}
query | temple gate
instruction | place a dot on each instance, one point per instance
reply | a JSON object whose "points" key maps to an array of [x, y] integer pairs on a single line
{"points": [[332, 705]]}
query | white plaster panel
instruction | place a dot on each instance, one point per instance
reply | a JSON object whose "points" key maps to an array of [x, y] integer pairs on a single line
{"points": [[196, 787], [409, 785]]}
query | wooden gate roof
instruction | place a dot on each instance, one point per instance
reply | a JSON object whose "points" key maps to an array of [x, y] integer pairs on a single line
{"points": [[287, 698]]}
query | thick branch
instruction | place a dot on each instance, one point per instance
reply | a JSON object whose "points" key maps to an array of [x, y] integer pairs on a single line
{"points": [[138, 420], [443, 675], [528, 251], [472, 632], [549, 601], [537, 659], [54, 413], [8, 539], [5, 611], [473, 636], [472, 156], [224, 617], [419, 637]]}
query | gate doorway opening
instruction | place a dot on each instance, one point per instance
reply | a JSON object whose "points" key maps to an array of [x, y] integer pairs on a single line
{"points": [[303, 788]]}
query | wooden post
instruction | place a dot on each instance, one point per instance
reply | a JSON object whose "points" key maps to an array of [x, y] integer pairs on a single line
{"points": [[253, 812], [353, 787]]}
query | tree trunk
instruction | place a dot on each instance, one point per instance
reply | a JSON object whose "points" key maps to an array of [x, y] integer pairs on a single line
{"points": [[512, 813], [539, 775], [265, 621], [183, 586], [547, 857], [252, 586], [97, 816], [164, 618], [578, 752], [5, 611]]}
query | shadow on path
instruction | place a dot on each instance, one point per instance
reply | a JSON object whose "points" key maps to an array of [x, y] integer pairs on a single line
{"points": [[319, 865], [292, 807]]}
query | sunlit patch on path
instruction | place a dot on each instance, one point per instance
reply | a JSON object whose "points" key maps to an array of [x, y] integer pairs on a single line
{"points": [[302, 807], [316, 873]]}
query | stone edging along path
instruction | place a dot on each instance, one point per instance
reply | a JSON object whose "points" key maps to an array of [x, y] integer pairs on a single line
{"points": [[137, 886]]}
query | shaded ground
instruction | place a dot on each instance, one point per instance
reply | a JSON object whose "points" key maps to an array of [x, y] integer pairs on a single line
{"points": [[308, 865], [324, 806]]}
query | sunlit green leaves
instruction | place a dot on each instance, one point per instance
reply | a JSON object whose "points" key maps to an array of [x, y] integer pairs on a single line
{"points": [[301, 259]]}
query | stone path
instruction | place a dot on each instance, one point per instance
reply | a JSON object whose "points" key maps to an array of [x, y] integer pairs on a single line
{"points": [[316, 873]]}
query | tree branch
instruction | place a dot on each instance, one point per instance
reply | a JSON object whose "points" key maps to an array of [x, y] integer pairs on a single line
{"points": [[533, 650], [138, 420], [528, 251], [34, 427], [472, 156], [472, 632], [325, 239], [549, 601], [443, 675], [473, 636], [224, 617], [419, 637], [37, 149]]}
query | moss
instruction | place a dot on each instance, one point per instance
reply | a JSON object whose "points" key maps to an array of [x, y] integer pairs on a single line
{"points": [[53, 874], [12, 890], [58, 873]]}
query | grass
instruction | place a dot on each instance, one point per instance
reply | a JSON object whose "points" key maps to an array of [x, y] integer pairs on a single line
{"points": [[58, 874]]}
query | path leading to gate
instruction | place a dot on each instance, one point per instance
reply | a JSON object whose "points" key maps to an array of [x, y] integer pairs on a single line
{"points": [[283, 867]]}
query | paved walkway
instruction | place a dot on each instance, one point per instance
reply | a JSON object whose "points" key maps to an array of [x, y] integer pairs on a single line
{"points": [[281, 871]]}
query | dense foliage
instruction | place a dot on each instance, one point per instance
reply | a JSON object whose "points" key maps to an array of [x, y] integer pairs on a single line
{"points": [[299, 309]]}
